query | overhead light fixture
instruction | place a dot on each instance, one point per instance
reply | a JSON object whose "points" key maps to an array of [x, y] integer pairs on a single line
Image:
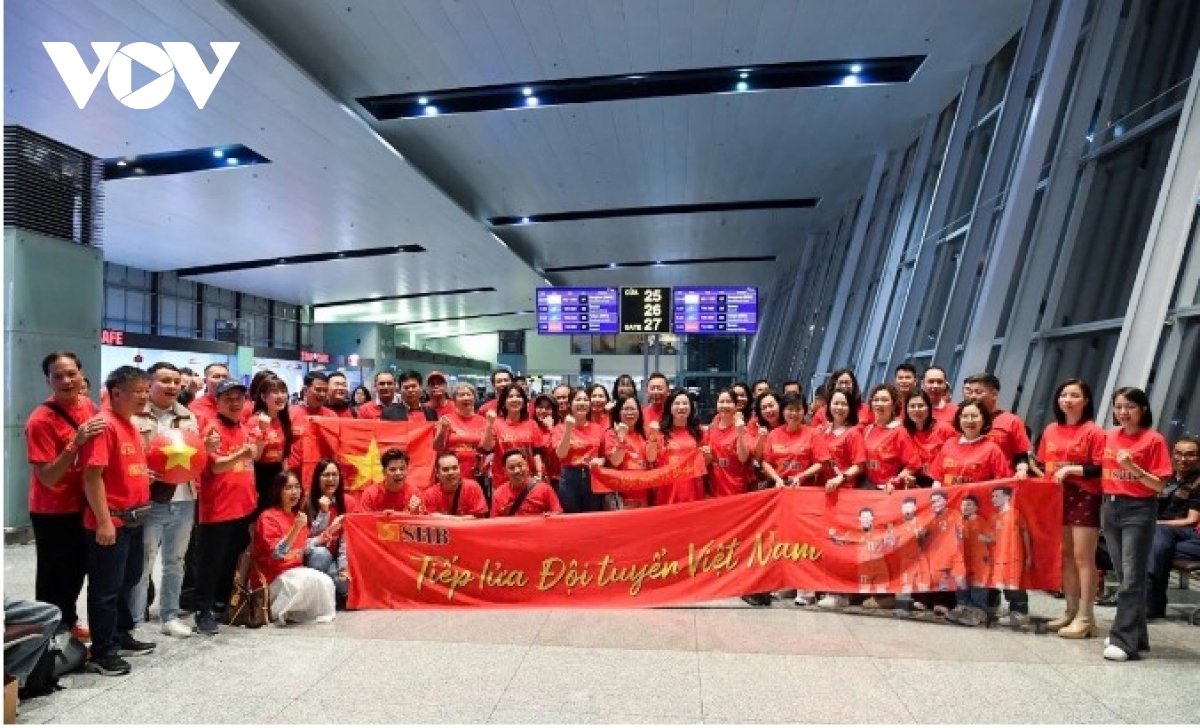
{"points": [[742, 86], [181, 161], [851, 80], [687, 209], [122, 162], [527, 91], [431, 111], [856, 68], [231, 160], [743, 74], [218, 153], [524, 221], [423, 100], [531, 101]]}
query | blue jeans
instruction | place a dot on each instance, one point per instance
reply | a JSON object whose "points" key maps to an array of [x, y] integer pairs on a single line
{"points": [[1170, 543], [575, 491], [325, 562], [1129, 532], [169, 529], [112, 572]]}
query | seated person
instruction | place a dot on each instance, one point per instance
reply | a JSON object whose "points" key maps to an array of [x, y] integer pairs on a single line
{"points": [[281, 541], [1177, 535], [522, 495], [453, 495], [29, 625], [394, 494], [325, 509]]}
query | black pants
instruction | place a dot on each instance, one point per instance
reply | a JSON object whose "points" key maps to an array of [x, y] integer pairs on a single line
{"points": [[113, 571], [264, 473], [191, 571], [220, 545], [575, 491], [62, 556]]}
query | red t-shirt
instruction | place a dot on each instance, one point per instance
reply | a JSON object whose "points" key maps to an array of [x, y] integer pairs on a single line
{"points": [[490, 406], [373, 409], [727, 474], [681, 445], [651, 413], [470, 503], [346, 413], [299, 415], [791, 453], [273, 524], [126, 478], [1008, 431], [929, 442], [46, 434], [865, 416], [231, 494], [525, 436], [633, 459], [945, 413], [1149, 452], [586, 440], [445, 410], [205, 409], [541, 499], [600, 418], [376, 498], [969, 462], [889, 450], [845, 448], [463, 438], [1081, 444], [271, 440]]}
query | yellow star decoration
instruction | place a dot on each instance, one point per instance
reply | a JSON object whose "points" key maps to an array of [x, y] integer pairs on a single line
{"points": [[179, 454], [367, 469]]}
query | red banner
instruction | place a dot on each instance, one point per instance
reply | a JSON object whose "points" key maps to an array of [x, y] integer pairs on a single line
{"points": [[851, 541], [609, 480], [356, 445]]}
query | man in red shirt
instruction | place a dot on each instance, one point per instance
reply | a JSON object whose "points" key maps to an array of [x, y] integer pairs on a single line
{"points": [[339, 396], [452, 495], [316, 391], [205, 407], [394, 495], [409, 408], [435, 387], [657, 387], [522, 495], [227, 501], [906, 381], [501, 378], [1008, 431], [54, 433], [116, 483], [934, 384], [385, 395]]}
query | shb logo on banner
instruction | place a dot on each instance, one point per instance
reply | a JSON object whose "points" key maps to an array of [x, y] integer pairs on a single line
{"points": [[118, 60]]}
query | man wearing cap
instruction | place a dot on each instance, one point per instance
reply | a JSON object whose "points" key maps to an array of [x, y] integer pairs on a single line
{"points": [[435, 387], [227, 501], [409, 407]]}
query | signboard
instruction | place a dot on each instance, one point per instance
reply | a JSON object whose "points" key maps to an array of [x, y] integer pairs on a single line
{"points": [[314, 357], [112, 337], [577, 311], [645, 310], [512, 342], [712, 310]]}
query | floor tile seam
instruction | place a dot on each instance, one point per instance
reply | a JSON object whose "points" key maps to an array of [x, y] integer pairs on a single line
{"points": [[517, 670], [1098, 696], [893, 690]]}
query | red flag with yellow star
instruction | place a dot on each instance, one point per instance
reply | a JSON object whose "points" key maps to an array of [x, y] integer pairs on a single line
{"points": [[356, 446]]}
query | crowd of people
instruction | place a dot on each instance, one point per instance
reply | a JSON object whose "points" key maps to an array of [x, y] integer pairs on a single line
{"points": [[99, 512]]}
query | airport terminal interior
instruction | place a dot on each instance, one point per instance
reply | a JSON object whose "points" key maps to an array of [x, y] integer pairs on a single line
{"points": [[256, 207]]}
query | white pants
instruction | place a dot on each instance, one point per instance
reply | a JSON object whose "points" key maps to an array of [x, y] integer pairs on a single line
{"points": [[301, 595]]}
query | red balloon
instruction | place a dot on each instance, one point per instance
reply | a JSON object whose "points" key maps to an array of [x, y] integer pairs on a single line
{"points": [[177, 456]]}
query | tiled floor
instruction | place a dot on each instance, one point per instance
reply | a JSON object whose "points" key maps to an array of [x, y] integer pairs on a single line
{"points": [[717, 663]]}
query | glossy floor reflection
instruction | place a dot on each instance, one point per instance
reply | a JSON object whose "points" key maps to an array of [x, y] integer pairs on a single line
{"points": [[716, 663]]}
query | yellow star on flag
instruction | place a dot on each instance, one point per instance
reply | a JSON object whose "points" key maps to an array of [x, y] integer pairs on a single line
{"points": [[367, 468], [179, 454]]}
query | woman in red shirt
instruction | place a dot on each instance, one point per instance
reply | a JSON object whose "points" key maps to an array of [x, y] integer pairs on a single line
{"points": [[727, 449], [1136, 466], [1072, 450], [274, 433], [767, 416], [927, 432], [742, 400], [892, 458], [677, 436], [545, 413], [598, 396], [624, 386], [461, 431], [325, 509], [625, 447], [795, 454], [971, 458], [281, 543], [843, 380], [577, 442], [844, 441], [513, 430]]}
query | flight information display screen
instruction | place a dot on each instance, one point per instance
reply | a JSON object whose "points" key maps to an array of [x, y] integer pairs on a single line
{"points": [[578, 311], [713, 310]]}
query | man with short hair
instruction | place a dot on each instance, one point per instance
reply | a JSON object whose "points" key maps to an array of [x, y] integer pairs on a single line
{"points": [[339, 397], [316, 392], [759, 388], [452, 495], [116, 483], [54, 433], [934, 384], [190, 383], [522, 495], [172, 507], [439, 401], [409, 407], [205, 407], [791, 386], [394, 494], [385, 396], [657, 389], [906, 381], [1008, 431], [1012, 556], [501, 378], [1177, 534]]}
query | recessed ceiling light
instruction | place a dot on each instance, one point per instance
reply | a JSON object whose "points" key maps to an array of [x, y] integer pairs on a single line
{"points": [[231, 160], [531, 101], [527, 91], [431, 111], [122, 162], [742, 86], [524, 221], [850, 80], [856, 68], [423, 100], [743, 74], [218, 153]]}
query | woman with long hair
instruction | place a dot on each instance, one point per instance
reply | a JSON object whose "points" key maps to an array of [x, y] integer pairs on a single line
{"points": [[577, 442], [1136, 467], [598, 397], [546, 415], [728, 448], [675, 438], [843, 380], [625, 447], [742, 400], [927, 432], [892, 458], [274, 424], [326, 507], [1072, 452], [281, 542], [844, 441], [509, 427], [624, 386]]}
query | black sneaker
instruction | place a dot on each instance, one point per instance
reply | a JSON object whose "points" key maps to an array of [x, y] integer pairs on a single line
{"points": [[130, 645], [108, 665], [206, 623]]}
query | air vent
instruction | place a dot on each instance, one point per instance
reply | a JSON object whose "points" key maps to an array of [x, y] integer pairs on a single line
{"points": [[50, 188]]}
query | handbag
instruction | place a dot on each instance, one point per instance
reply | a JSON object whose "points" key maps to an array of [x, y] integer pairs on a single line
{"points": [[249, 602]]}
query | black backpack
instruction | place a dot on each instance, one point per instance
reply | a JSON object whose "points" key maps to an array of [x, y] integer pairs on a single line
{"points": [[63, 655]]}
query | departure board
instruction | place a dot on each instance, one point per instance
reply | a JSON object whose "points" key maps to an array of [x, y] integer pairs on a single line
{"points": [[578, 311], [645, 310], [716, 310]]}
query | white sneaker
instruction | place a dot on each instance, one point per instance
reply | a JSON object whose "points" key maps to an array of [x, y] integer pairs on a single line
{"points": [[1014, 619], [803, 598], [177, 628], [833, 601], [1114, 653]]}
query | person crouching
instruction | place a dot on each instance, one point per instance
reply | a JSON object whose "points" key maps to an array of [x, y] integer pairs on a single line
{"points": [[297, 592]]}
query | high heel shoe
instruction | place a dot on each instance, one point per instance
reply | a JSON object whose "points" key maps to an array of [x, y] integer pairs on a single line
{"points": [[1056, 624], [1081, 628]]}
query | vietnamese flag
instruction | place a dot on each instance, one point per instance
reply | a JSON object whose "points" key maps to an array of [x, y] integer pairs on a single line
{"points": [[611, 480], [356, 446]]}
